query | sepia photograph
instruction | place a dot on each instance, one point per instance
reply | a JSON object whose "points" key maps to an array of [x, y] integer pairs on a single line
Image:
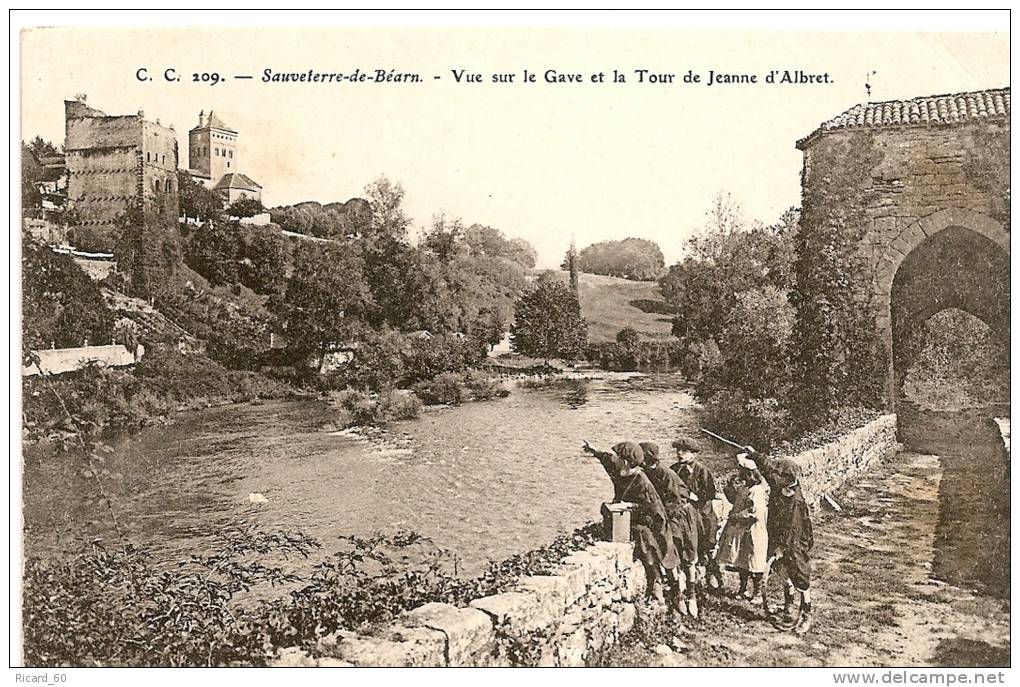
{"points": [[619, 340]]}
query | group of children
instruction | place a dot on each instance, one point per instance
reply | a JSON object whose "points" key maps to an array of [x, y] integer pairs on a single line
{"points": [[675, 523]]}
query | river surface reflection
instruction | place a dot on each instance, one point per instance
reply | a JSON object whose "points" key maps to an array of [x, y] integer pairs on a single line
{"points": [[485, 480]]}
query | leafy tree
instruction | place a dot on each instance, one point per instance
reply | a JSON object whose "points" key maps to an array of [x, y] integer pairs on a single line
{"points": [[628, 336], [264, 261], [548, 322], [327, 300], [631, 258], [523, 253], [387, 218], [60, 303], [214, 252], [196, 200], [245, 207]]}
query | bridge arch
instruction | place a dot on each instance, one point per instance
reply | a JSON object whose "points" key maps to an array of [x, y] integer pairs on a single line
{"points": [[953, 258]]}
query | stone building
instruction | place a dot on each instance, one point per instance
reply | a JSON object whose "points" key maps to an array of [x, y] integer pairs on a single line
{"points": [[928, 183], [116, 161], [214, 160]]}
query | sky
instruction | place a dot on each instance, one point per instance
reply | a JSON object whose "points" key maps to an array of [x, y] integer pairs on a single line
{"points": [[545, 162]]}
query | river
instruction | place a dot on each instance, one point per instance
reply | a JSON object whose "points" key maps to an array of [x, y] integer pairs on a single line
{"points": [[484, 480]]}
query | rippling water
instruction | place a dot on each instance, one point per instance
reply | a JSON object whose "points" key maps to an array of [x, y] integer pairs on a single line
{"points": [[485, 480]]}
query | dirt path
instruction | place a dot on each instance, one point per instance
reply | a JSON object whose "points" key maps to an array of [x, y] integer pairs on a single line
{"points": [[874, 597]]}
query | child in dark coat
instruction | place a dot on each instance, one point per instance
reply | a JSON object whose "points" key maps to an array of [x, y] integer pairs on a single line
{"points": [[789, 529]]}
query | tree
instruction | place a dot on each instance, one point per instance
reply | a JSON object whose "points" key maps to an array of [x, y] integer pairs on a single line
{"points": [[387, 217], [327, 301], [196, 200], [631, 258], [245, 207], [263, 266], [548, 322], [60, 303], [214, 252]]}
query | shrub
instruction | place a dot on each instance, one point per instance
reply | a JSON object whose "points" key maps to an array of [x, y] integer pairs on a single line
{"points": [[362, 408], [481, 387], [444, 389]]}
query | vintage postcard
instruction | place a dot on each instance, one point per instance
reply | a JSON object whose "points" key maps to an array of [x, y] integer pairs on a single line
{"points": [[531, 344]]}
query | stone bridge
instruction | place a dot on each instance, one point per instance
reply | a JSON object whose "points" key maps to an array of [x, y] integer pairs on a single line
{"points": [[935, 209]]}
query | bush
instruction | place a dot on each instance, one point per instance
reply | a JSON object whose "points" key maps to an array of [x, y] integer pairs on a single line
{"points": [[444, 389], [363, 409], [481, 387]]}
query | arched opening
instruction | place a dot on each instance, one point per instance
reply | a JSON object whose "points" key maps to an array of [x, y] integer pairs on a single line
{"points": [[949, 307]]}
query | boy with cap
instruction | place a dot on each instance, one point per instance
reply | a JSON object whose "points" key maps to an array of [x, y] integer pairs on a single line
{"points": [[789, 531], [699, 480], [650, 530], [683, 520]]}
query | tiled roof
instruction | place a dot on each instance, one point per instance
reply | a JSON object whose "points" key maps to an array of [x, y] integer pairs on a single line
{"points": [[929, 110], [235, 180], [217, 123]]}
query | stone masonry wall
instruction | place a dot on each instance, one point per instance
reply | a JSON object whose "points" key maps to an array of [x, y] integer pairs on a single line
{"points": [[827, 467], [581, 609]]}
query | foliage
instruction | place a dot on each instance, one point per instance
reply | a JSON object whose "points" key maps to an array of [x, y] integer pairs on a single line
{"points": [[631, 258], [327, 300], [102, 401], [650, 355], [91, 240], [337, 221], [114, 607], [443, 389], [148, 248], [489, 242], [234, 327], [245, 207], [263, 265], [33, 174], [548, 322], [197, 201], [363, 409], [839, 359], [956, 362], [214, 251], [60, 304], [118, 607]]}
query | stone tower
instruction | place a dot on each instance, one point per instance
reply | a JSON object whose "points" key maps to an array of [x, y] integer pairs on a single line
{"points": [[212, 149]]}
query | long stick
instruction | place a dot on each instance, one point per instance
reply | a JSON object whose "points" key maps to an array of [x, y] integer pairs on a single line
{"points": [[724, 439]]}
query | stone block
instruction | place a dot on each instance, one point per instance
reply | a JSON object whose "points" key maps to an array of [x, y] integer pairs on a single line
{"points": [[293, 657], [521, 610], [587, 562], [551, 591], [400, 647], [575, 582], [635, 582], [330, 662], [627, 614], [572, 649], [469, 637], [621, 553]]}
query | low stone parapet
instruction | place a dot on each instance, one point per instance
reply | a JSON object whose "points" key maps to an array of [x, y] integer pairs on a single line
{"points": [[828, 467], [561, 619]]}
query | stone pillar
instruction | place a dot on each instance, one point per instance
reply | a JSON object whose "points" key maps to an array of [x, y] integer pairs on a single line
{"points": [[616, 521]]}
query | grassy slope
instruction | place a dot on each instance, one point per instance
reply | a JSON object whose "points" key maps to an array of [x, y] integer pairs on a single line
{"points": [[610, 304]]}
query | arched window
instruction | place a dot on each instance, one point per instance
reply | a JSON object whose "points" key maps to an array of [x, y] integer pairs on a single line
{"points": [[164, 160], [147, 157]]}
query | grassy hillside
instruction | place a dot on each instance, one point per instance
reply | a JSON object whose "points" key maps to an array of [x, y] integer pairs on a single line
{"points": [[610, 304]]}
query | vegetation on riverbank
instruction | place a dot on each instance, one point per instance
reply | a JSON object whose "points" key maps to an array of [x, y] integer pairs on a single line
{"points": [[100, 402], [118, 607]]}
